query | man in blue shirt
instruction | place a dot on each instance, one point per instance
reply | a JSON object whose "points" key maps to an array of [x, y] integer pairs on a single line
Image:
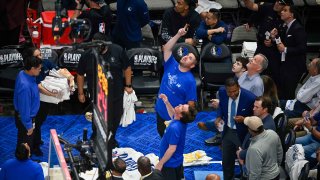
{"points": [[172, 143], [27, 100], [22, 167], [177, 82], [132, 15]]}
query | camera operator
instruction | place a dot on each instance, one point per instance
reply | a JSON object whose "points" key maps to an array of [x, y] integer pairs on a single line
{"points": [[99, 15]]}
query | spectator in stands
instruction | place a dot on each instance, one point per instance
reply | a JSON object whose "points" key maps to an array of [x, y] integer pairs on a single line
{"points": [[308, 95], [238, 68], [173, 141], [311, 141], [131, 17], [116, 61], [26, 100], [293, 47], [251, 79], [261, 110], [175, 18], [235, 103], [265, 152], [21, 167], [13, 16], [212, 29], [270, 90], [177, 83], [99, 15], [119, 168], [144, 168], [267, 18], [212, 177], [45, 107]]}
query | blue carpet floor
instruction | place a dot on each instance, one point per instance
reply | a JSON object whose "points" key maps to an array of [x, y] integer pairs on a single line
{"points": [[141, 135]]}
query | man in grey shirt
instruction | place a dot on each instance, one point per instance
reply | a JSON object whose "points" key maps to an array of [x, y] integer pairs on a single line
{"points": [[265, 152], [251, 80]]}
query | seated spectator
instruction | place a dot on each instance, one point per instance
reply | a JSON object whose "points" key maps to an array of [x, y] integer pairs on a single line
{"points": [[265, 152], [212, 29], [119, 167], [270, 90], [251, 79], [260, 109], [144, 168], [21, 167], [177, 17], [308, 95], [240, 66], [212, 177], [311, 141]]}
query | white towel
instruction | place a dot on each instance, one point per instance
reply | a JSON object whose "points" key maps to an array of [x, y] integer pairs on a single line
{"points": [[129, 115]]}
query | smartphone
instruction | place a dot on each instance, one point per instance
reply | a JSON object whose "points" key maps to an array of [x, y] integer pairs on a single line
{"points": [[186, 27]]}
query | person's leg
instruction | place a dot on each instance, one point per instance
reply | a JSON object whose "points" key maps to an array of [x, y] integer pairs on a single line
{"points": [[297, 110], [169, 173], [230, 143], [160, 125], [304, 140], [311, 148], [22, 136], [118, 111], [40, 118]]}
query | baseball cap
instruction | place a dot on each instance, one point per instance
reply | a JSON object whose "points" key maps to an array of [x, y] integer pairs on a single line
{"points": [[253, 122]]}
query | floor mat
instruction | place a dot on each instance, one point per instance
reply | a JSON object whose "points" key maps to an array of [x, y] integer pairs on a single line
{"points": [[141, 135]]}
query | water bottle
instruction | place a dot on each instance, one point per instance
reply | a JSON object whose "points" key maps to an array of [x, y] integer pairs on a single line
{"points": [[36, 38]]}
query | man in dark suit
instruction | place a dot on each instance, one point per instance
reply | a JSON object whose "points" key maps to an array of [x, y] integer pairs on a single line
{"points": [[235, 104], [293, 47], [144, 168]]}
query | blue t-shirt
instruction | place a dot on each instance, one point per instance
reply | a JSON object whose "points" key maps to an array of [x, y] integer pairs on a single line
{"points": [[175, 134], [180, 87], [14, 169], [26, 98]]}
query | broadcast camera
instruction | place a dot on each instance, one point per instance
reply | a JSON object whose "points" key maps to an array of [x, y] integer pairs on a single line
{"points": [[80, 28]]}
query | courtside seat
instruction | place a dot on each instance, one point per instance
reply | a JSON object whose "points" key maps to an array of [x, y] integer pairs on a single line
{"points": [[69, 59], [11, 62], [215, 67], [146, 67]]}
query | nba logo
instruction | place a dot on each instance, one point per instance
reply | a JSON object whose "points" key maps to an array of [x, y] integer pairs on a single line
{"points": [[102, 28]]}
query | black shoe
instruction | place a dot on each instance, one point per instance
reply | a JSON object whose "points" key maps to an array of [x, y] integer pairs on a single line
{"points": [[37, 152], [214, 141]]}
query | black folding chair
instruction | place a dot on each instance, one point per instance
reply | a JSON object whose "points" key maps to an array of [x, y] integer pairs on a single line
{"points": [[146, 70]]}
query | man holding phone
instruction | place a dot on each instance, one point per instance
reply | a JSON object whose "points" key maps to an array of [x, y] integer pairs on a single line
{"points": [[311, 141]]}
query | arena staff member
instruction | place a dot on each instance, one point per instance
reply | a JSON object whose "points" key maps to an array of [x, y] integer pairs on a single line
{"points": [[22, 167], [26, 100]]}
